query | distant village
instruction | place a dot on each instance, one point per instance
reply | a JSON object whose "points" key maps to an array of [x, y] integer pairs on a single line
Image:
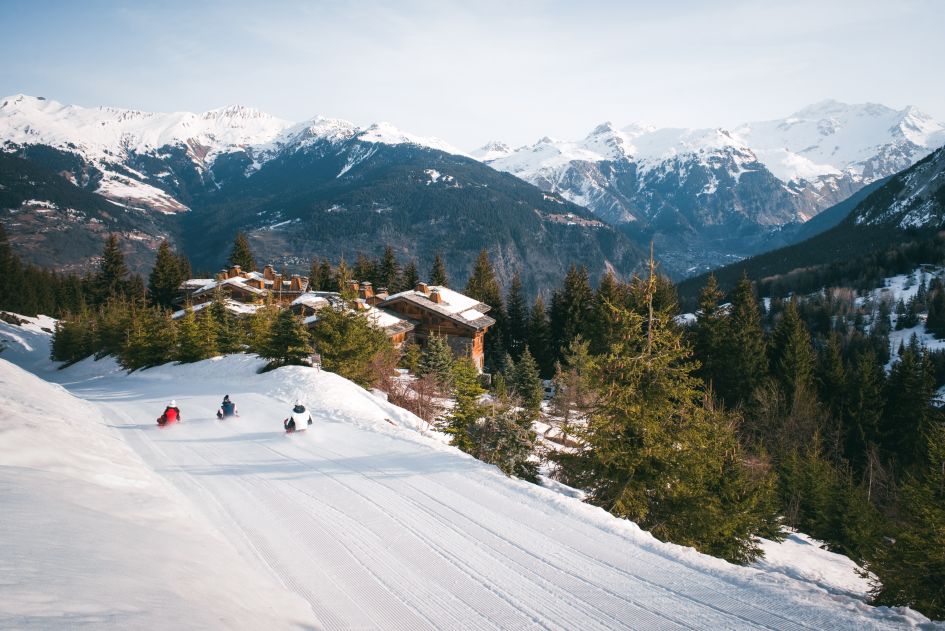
{"points": [[407, 316]]}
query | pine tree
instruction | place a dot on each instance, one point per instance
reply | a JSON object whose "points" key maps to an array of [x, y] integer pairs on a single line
{"points": [[570, 309], [162, 338], [935, 323], [411, 357], [349, 345], [134, 353], [517, 312], [864, 412], [193, 344], [574, 394], [462, 418], [654, 449], [409, 279], [504, 437], [342, 277], [365, 268], [259, 326], [710, 340], [831, 380], [436, 359], [792, 361], [189, 346], [326, 279], [909, 414], [112, 325], [539, 338], [315, 280], [744, 348], [289, 342], [110, 279], [528, 385], [73, 338], [166, 277], [600, 320], [10, 269], [388, 272], [438, 272], [227, 330], [241, 254], [910, 568], [484, 287]]}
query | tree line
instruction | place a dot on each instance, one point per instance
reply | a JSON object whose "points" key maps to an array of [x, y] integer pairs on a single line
{"points": [[853, 434]]}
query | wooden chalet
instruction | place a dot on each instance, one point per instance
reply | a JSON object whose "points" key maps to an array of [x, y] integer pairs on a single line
{"points": [[244, 287], [442, 311]]}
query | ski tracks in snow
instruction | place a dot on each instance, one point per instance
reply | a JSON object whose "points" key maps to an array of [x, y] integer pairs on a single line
{"points": [[377, 532]]}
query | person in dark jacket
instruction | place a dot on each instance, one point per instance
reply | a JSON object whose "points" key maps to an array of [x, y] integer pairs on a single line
{"points": [[171, 414], [227, 408], [299, 420]]}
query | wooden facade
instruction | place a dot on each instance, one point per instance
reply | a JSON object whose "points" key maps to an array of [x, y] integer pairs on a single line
{"points": [[440, 311]]}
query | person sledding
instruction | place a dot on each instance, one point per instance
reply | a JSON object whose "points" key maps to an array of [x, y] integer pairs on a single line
{"points": [[227, 409], [299, 420], [171, 414]]}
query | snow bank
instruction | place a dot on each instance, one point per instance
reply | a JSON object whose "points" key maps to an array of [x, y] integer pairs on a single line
{"points": [[90, 537], [799, 556]]}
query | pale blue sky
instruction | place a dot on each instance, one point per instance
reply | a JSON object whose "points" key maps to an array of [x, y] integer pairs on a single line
{"points": [[469, 72]]}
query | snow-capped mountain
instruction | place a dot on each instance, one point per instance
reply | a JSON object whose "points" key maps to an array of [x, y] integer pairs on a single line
{"points": [[319, 188], [126, 147], [697, 188]]}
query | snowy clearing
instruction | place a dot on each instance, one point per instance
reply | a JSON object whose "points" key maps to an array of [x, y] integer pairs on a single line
{"points": [[361, 522]]}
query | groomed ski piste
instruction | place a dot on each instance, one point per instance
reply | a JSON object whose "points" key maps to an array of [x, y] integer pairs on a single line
{"points": [[362, 522]]}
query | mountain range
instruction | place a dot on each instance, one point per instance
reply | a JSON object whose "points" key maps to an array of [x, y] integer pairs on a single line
{"points": [[327, 187], [708, 196], [323, 187], [894, 228]]}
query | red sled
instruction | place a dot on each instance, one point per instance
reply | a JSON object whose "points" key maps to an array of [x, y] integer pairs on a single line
{"points": [[163, 421]]}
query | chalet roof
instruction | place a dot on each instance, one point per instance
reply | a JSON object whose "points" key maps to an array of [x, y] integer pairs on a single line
{"points": [[388, 321], [453, 305], [316, 299], [237, 282], [384, 319], [233, 306]]}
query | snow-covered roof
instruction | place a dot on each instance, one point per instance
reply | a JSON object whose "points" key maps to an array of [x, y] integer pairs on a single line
{"points": [[314, 299], [236, 281], [196, 283], [233, 306], [388, 320], [454, 305]]}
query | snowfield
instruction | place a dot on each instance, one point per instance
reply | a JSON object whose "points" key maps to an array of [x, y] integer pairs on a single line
{"points": [[361, 522]]}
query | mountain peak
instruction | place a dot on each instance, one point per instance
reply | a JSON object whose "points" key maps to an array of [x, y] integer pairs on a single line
{"points": [[604, 128], [492, 150]]}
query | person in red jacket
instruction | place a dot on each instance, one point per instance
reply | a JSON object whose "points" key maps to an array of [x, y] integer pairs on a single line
{"points": [[171, 414]]}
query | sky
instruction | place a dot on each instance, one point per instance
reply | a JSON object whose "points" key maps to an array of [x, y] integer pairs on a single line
{"points": [[471, 72]]}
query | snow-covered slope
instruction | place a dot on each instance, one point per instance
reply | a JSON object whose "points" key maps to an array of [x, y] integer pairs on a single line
{"points": [[107, 133], [870, 141], [92, 537], [375, 525], [830, 138]]}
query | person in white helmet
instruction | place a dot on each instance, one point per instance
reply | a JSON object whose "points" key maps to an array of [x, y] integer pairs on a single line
{"points": [[171, 414], [299, 420]]}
